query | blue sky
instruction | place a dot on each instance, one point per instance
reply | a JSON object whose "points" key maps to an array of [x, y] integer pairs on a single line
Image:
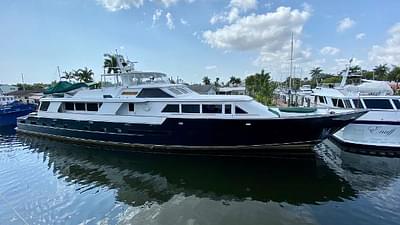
{"points": [[194, 38]]}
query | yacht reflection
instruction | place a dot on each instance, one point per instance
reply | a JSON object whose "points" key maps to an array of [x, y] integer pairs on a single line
{"points": [[140, 178], [363, 172]]}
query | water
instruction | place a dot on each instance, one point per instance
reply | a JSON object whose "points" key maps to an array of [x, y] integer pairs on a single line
{"points": [[50, 182]]}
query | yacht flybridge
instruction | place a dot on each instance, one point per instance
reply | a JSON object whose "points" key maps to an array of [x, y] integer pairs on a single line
{"points": [[143, 111]]}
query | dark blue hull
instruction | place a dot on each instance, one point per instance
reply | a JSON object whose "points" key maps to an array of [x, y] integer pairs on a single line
{"points": [[10, 118], [196, 136]]}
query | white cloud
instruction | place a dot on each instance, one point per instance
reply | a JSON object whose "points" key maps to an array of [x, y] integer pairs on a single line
{"points": [[211, 67], [243, 5], [389, 52], [170, 21], [168, 3], [345, 24], [329, 50], [156, 16], [115, 5], [360, 36], [184, 22]]}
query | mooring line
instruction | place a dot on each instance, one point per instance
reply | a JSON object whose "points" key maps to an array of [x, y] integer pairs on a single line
{"points": [[15, 211]]}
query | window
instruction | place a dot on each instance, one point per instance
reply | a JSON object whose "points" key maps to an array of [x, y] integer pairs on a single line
{"points": [[347, 103], [321, 99], [378, 104], [239, 110], [340, 103], [190, 108], [208, 108], [396, 103], [334, 101], [153, 93], [131, 107], [44, 106], [183, 90], [69, 106], [79, 106], [357, 103], [171, 108], [228, 109], [92, 107]]}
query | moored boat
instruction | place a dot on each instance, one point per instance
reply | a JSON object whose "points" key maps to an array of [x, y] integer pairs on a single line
{"points": [[10, 109], [145, 112]]}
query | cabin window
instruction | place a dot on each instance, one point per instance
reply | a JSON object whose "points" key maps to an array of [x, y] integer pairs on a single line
{"points": [[340, 103], [211, 108], [239, 110], [92, 107], [131, 107], [347, 103], [357, 103], [334, 101], [321, 99], [171, 108], [69, 106], [228, 109], [80, 106], [153, 93], [44, 106], [378, 104], [190, 108], [396, 103]]}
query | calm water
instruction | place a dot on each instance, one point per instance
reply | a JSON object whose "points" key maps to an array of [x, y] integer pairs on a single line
{"points": [[49, 182]]}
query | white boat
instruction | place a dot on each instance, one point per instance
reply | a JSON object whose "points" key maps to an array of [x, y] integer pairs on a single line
{"points": [[142, 111], [380, 127]]}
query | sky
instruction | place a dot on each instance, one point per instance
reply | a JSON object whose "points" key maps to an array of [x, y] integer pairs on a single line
{"points": [[196, 38]]}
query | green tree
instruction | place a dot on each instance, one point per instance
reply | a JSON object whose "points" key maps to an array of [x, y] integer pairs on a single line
{"points": [[206, 80], [216, 83], [68, 75], [234, 81], [315, 75], [394, 74], [84, 75], [110, 63], [355, 69], [381, 72], [260, 87]]}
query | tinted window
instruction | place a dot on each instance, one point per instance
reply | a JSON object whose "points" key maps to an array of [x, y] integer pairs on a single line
{"points": [[44, 106], [171, 108], [208, 108], [228, 109], [378, 104], [357, 103], [189, 108], [153, 93], [239, 110], [334, 101], [347, 103], [80, 106], [69, 106], [340, 103], [131, 107], [396, 103], [321, 99], [92, 106]]}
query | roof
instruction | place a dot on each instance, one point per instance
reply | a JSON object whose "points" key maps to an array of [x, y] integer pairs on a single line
{"points": [[201, 89]]}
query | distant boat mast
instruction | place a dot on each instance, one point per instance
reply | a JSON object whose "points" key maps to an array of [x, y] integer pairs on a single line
{"points": [[291, 64]]}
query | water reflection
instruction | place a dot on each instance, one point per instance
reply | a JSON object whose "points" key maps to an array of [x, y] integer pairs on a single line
{"points": [[140, 178]]}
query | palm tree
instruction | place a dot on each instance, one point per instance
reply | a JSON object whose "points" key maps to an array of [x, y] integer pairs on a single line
{"points": [[381, 71], [216, 83], [68, 75], [84, 75], [235, 81], [206, 80], [110, 63], [316, 75]]}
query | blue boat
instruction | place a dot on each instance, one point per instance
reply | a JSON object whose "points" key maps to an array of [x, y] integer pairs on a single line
{"points": [[10, 110]]}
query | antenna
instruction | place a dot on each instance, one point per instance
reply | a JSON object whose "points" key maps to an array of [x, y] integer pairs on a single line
{"points": [[58, 70], [23, 82], [291, 63]]}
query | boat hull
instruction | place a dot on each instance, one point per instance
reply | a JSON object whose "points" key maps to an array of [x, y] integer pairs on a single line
{"points": [[196, 136], [10, 118]]}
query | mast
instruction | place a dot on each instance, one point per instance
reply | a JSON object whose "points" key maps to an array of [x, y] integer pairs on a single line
{"points": [[23, 82], [291, 64]]}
